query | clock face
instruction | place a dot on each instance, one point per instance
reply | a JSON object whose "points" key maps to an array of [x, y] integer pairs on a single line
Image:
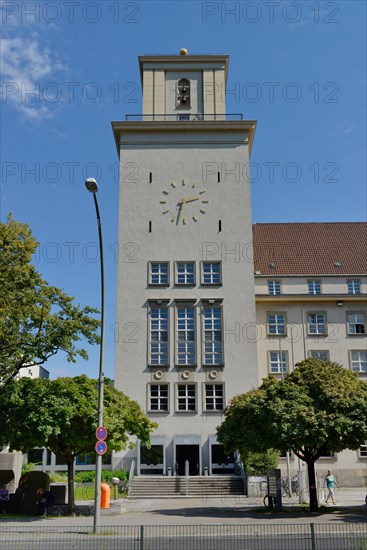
{"points": [[183, 202]]}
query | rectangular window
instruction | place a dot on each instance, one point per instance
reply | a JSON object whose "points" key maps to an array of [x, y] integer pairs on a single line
{"points": [[356, 323], [84, 459], [158, 336], [274, 288], [213, 341], [158, 273], [322, 354], [186, 397], [354, 286], [278, 362], [316, 323], [214, 397], [314, 287], [276, 324], [212, 273], [363, 450], [158, 397], [186, 342], [358, 360], [185, 273]]}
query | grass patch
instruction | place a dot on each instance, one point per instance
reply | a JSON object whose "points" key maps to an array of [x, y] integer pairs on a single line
{"points": [[86, 491]]}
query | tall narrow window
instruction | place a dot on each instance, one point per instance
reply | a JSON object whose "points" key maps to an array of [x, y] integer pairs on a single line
{"points": [[186, 336], [183, 93], [158, 336], [278, 362], [274, 288], [213, 340]]}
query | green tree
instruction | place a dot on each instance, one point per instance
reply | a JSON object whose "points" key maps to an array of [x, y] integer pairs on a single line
{"points": [[36, 320], [256, 464], [62, 415], [318, 408]]}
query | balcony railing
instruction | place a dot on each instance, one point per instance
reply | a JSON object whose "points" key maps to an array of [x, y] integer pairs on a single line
{"points": [[184, 117]]}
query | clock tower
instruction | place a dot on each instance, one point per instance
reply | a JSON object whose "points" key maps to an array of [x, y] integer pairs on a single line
{"points": [[185, 297]]}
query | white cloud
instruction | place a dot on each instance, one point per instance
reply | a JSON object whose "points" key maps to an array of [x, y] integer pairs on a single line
{"points": [[26, 67], [349, 129]]}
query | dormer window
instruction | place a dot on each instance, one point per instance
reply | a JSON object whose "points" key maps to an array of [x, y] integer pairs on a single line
{"points": [[183, 94]]}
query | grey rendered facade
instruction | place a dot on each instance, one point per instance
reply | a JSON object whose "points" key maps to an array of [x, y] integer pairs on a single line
{"points": [[179, 194]]}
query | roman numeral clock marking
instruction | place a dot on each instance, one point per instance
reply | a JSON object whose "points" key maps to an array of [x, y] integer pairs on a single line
{"points": [[183, 205]]}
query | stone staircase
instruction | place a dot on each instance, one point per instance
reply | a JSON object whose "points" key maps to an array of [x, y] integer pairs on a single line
{"points": [[198, 487]]}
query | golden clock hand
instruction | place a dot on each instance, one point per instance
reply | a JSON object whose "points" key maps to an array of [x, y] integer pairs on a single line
{"points": [[191, 199], [182, 204]]}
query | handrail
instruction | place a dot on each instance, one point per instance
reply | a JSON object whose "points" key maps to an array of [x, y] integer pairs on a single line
{"points": [[131, 476], [184, 117], [243, 476]]}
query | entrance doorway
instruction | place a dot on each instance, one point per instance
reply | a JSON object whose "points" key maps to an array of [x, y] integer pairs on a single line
{"points": [[221, 462], [190, 453]]}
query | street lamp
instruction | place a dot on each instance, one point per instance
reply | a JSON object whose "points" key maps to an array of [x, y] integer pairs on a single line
{"points": [[92, 186]]}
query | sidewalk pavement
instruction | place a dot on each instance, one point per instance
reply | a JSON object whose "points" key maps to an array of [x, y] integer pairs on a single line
{"points": [[350, 507]]}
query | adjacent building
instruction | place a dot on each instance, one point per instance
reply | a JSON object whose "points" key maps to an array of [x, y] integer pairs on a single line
{"points": [[310, 292]]}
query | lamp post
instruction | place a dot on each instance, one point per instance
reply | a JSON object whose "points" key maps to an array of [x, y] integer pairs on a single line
{"points": [[92, 186]]}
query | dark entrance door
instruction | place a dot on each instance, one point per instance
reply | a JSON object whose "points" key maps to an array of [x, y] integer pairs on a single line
{"points": [[190, 453]]}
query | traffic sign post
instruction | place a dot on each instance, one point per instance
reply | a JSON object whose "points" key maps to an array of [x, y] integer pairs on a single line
{"points": [[101, 447], [101, 433]]}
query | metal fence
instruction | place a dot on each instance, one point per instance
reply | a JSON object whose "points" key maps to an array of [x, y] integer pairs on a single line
{"points": [[309, 536], [183, 117]]}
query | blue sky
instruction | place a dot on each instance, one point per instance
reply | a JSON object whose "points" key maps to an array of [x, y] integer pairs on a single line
{"points": [[70, 68]]}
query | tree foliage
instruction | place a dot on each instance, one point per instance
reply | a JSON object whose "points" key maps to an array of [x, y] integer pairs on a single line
{"points": [[36, 320], [257, 464], [319, 407], [62, 415]]}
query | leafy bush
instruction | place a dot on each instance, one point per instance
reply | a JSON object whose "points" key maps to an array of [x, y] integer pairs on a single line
{"points": [[88, 476], [58, 477], [28, 467], [107, 475], [256, 464]]}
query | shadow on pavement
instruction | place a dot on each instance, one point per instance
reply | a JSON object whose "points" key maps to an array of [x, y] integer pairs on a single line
{"points": [[357, 514]]}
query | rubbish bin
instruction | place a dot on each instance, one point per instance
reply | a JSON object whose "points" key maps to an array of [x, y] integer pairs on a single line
{"points": [[206, 471], [169, 471], [115, 483], [105, 495]]}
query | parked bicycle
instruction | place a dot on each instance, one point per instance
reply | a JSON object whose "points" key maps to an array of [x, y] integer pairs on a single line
{"points": [[294, 485]]}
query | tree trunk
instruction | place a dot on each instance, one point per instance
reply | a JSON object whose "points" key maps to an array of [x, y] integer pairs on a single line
{"points": [[71, 502], [314, 505]]}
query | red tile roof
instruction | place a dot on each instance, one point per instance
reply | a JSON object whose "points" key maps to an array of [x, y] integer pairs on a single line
{"points": [[310, 248]]}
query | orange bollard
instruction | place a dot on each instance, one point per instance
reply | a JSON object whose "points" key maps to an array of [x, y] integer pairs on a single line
{"points": [[105, 495]]}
